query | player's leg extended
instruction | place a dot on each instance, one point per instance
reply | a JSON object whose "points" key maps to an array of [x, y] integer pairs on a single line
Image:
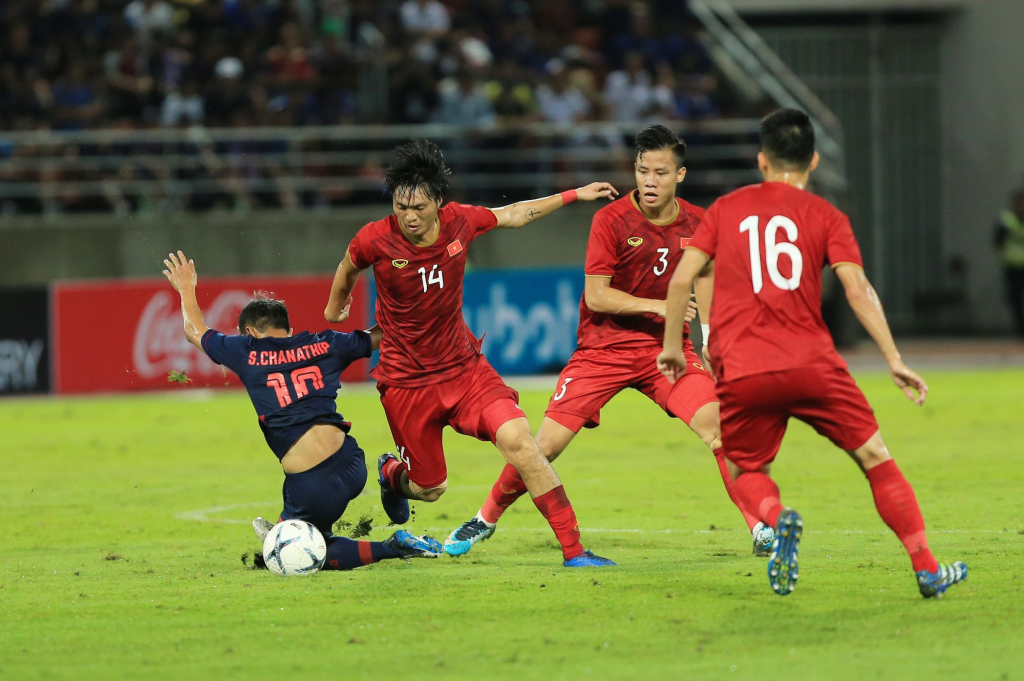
{"points": [[897, 505], [552, 438], [320, 496], [521, 451], [692, 399]]}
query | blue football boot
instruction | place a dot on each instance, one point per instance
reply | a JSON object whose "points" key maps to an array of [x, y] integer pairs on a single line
{"points": [[934, 584], [782, 565], [462, 539], [395, 505], [405, 544], [588, 559]]}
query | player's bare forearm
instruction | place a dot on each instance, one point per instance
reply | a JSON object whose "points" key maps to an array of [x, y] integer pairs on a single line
{"points": [[679, 289], [375, 336], [704, 289], [181, 273], [344, 283], [522, 213], [866, 305], [601, 297]]}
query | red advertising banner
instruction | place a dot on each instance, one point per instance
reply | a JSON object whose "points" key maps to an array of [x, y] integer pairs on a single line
{"points": [[112, 336]]}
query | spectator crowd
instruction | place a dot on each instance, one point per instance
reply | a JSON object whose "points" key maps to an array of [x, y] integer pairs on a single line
{"points": [[69, 65], [76, 64]]}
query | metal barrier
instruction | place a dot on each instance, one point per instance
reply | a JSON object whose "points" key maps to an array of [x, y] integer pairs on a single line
{"points": [[197, 168]]}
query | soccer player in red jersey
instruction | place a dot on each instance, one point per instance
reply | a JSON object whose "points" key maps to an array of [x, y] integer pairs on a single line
{"points": [[635, 243], [775, 358], [431, 372]]}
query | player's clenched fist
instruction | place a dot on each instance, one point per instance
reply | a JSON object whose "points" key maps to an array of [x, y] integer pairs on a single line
{"points": [[596, 190], [672, 363], [180, 271]]}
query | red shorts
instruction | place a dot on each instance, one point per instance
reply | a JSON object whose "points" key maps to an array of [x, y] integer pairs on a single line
{"points": [[476, 403], [593, 377], [755, 410]]}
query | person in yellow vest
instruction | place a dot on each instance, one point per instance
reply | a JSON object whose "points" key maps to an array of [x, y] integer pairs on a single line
{"points": [[1009, 240]]}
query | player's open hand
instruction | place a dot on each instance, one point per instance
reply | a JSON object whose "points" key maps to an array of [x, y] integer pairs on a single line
{"points": [[691, 309], [596, 190], [912, 385], [181, 272], [672, 363]]}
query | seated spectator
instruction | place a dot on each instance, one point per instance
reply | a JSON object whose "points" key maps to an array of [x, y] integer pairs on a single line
{"points": [[628, 90], [428, 17], [146, 17], [464, 103], [185, 106], [559, 102], [510, 93], [131, 86], [694, 101], [75, 103], [289, 59]]}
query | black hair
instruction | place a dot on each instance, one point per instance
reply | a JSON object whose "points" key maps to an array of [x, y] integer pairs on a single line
{"points": [[787, 138], [418, 165], [655, 137], [263, 312]]}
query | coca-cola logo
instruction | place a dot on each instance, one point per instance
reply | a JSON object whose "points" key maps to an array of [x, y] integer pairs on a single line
{"points": [[160, 343]]}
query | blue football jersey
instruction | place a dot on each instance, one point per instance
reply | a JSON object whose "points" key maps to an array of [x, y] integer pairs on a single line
{"points": [[292, 381]]}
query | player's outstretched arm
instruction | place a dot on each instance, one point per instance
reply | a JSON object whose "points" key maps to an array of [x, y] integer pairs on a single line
{"points": [[672, 361], [522, 213], [341, 291], [181, 272], [868, 308]]}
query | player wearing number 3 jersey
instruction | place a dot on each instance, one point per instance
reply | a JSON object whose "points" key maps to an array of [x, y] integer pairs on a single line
{"points": [[634, 246], [773, 354], [431, 372]]}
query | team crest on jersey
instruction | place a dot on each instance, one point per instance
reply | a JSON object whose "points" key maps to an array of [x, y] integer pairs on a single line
{"points": [[399, 263], [634, 241], [699, 366]]}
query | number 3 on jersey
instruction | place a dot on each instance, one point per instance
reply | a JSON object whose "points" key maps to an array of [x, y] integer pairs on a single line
{"points": [[662, 265], [772, 251], [436, 277]]}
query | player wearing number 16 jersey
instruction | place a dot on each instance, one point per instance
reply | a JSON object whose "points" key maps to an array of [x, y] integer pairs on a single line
{"points": [[431, 372], [292, 382], [773, 354], [633, 248]]}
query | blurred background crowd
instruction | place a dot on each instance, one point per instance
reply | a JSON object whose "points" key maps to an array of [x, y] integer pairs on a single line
{"points": [[84, 64]]}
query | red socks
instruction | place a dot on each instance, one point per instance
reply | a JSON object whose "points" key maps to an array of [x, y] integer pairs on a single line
{"points": [[759, 493], [730, 489], [555, 507], [392, 472], [896, 503], [506, 490]]}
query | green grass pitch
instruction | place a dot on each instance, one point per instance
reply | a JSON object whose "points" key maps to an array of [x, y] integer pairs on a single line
{"points": [[124, 520]]}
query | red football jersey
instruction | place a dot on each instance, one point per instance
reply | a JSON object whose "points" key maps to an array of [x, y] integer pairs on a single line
{"points": [[640, 257], [770, 242], [419, 295]]}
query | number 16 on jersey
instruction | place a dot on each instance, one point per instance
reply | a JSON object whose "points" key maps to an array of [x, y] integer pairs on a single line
{"points": [[772, 251]]}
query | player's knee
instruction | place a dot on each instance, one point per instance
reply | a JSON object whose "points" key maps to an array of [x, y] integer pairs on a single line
{"points": [[521, 450], [549, 447], [432, 493]]}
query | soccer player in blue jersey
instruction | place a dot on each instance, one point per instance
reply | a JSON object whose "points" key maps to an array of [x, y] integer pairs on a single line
{"points": [[293, 382]]}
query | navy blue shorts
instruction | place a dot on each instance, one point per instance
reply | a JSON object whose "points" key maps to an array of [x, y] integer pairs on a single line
{"points": [[320, 495]]}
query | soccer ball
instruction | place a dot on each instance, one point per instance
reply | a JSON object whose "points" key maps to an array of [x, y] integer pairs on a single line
{"points": [[294, 547]]}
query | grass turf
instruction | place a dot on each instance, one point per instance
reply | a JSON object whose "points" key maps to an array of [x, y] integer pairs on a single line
{"points": [[125, 519]]}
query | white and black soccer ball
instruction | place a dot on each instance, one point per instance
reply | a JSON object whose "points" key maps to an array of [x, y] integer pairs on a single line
{"points": [[294, 547]]}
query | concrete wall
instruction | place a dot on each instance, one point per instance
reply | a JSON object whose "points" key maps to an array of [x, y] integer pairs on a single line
{"points": [[983, 135], [37, 251]]}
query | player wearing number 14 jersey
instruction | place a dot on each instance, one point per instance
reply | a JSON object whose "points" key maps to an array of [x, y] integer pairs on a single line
{"points": [[634, 246], [431, 372], [773, 354]]}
